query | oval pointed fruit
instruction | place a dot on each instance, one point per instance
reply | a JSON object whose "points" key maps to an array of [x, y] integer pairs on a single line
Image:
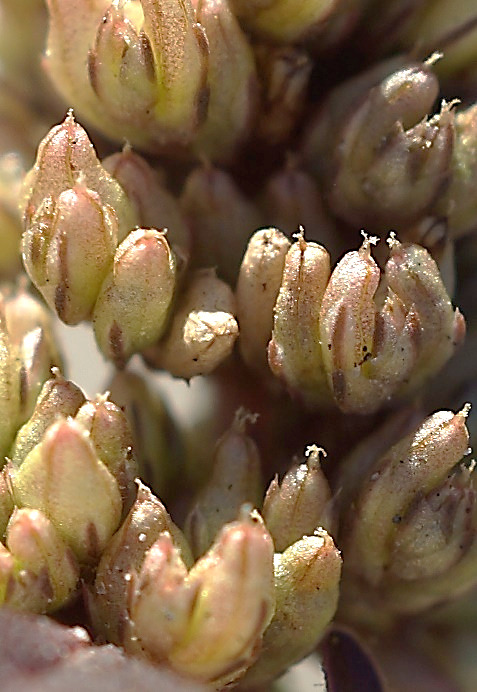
{"points": [[67, 250], [64, 478], [299, 504], [294, 352], [58, 397], [258, 284], [134, 301], [236, 479], [65, 157], [307, 577], [45, 574], [203, 329], [123, 556]]}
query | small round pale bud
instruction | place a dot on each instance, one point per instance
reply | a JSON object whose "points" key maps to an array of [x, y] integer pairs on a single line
{"points": [[133, 304]]}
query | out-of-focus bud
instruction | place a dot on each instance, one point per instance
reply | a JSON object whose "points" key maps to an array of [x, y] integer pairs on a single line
{"points": [[307, 577], [155, 206], [400, 498], [11, 175], [123, 556], [236, 479], [221, 219], [6, 502], [68, 249], [112, 438], [292, 199], [137, 70], [65, 157], [64, 478], [156, 440], [294, 352], [232, 82], [58, 397], [279, 20], [133, 304], [203, 329], [211, 620], [284, 73], [299, 504], [458, 203], [9, 386], [258, 284], [390, 163], [39, 572]]}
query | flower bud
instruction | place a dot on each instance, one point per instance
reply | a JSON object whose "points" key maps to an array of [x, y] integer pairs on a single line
{"points": [[294, 352], [411, 469], [64, 478], [68, 249], [300, 503], [134, 301], [232, 82], [257, 290], [39, 572], [65, 157], [307, 577], [203, 329], [154, 205], [112, 439], [235, 480], [221, 219], [136, 70], [284, 73], [156, 442], [58, 397], [123, 556], [218, 613]]}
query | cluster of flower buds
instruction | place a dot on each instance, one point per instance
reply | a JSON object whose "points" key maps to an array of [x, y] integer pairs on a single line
{"points": [[409, 536], [82, 256], [349, 335], [69, 480], [183, 74]]}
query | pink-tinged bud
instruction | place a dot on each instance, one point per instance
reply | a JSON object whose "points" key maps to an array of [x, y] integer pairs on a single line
{"points": [[68, 249], [9, 386], [218, 613], [221, 219], [294, 352], [43, 574], [155, 206], [66, 157], [64, 478], [123, 557], [235, 480], [411, 469], [307, 577], [231, 79], [258, 284], [58, 397], [203, 329], [111, 435], [300, 503], [284, 73], [133, 304]]}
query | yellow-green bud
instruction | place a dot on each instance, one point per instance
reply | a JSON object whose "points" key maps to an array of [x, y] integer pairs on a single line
{"points": [[133, 304], [64, 478], [235, 479], [9, 386]]}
